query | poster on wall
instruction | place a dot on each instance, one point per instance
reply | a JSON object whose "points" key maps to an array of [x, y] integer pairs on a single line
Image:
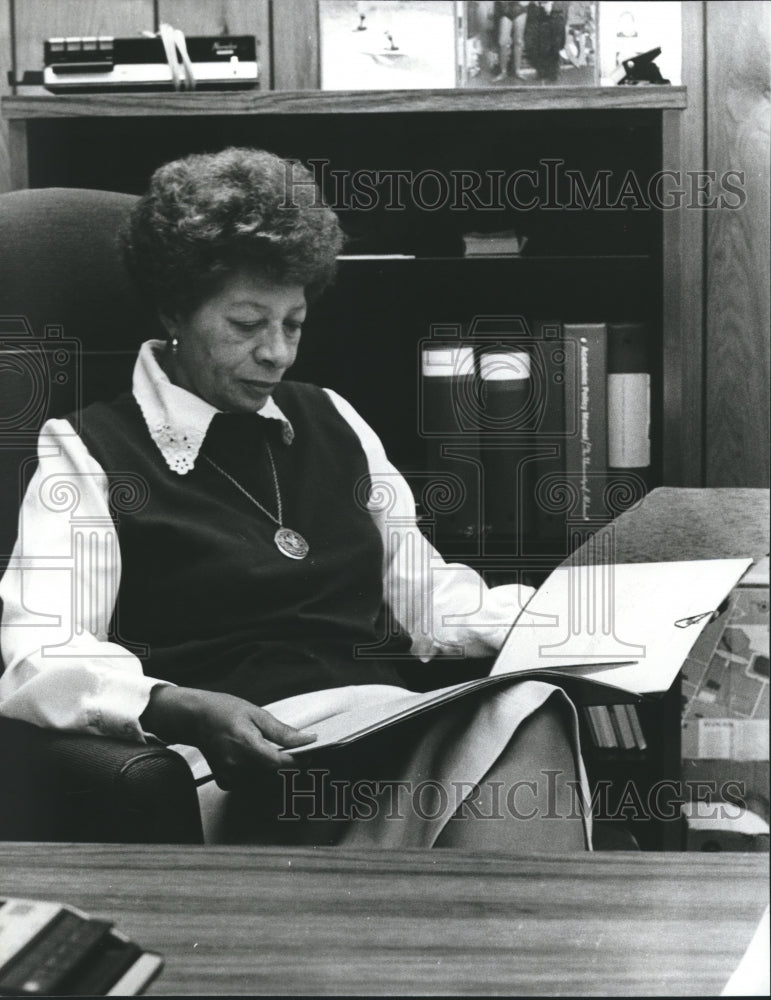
{"points": [[630, 28], [529, 44], [388, 44]]}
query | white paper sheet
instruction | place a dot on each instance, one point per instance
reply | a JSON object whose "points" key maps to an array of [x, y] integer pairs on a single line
{"points": [[628, 611], [751, 978]]}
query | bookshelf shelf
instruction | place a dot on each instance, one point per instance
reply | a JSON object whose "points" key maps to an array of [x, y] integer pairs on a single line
{"points": [[579, 260], [305, 102]]}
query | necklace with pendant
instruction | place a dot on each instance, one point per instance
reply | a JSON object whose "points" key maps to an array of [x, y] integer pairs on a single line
{"points": [[288, 542]]}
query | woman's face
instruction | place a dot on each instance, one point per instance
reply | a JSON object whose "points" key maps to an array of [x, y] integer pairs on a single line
{"points": [[236, 346]]}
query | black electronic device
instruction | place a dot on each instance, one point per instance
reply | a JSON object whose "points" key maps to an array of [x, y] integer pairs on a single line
{"points": [[641, 69], [49, 949], [166, 61]]}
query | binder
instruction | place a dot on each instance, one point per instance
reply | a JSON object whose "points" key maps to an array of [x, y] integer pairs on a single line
{"points": [[600, 727], [556, 422], [451, 434], [622, 727], [634, 721], [586, 449], [629, 400], [507, 444]]}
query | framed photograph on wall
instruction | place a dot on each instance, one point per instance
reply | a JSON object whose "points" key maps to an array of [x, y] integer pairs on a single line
{"points": [[388, 44], [632, 27], [529, 44]]}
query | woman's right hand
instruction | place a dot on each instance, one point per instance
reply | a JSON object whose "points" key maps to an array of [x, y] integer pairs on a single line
{"points": [[236, 737]]}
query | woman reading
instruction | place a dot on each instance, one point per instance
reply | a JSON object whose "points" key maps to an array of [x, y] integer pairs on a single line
{"points": [[238, 596]]}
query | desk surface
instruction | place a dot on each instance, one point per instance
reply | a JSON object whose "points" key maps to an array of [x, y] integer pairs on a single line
{"points": [[275, 921]]}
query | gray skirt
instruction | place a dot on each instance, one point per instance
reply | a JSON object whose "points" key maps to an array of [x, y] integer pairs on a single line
{"points": [[434, 761]]}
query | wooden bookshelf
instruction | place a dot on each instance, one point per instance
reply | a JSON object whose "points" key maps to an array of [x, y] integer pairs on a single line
{"points": [[259, 102], [57, 139]]}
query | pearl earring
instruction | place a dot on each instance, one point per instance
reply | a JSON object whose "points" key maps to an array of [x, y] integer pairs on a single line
{"points": [[174, 345]]}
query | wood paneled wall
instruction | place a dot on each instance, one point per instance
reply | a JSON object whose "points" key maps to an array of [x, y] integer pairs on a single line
{"points": [[37, 20], [738, 290], [5, 65], [223, 17], [295, 45], [683, 306]]}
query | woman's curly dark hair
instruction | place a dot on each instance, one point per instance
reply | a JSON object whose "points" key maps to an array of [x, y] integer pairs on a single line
{"points": [[209, 214]]}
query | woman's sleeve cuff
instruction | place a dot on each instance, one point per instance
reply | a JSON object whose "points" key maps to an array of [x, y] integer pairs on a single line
{"points": [[121, 707]]}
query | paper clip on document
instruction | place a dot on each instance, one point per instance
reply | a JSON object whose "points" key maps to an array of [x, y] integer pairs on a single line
{"points": [[711, 616], [695, 619]]}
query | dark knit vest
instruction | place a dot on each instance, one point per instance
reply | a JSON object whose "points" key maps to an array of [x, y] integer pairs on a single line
{"points": [[205, 598]]}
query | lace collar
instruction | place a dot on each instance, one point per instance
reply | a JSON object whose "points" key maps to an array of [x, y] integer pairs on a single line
{"points": [[177, 419]]}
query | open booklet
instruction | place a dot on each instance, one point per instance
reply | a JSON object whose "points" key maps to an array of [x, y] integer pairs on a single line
{"points": [[604, 633]]}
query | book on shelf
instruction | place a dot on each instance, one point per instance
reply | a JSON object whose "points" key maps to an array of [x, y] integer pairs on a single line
{"points": [[555, 358], [637, 731], [448, 422], [607, 634], [562, 410], [600, 727], [629, 400], [622, 727], [615, 727], [586, 448], [506, 442]]}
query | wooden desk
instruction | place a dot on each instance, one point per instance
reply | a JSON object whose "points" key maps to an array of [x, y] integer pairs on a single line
{"points": [[272, 921]]}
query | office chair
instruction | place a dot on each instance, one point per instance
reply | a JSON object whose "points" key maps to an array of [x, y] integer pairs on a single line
{"points": [[69, 331]]}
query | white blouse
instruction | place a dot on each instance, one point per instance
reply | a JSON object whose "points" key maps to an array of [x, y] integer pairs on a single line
{"points": [[59, 590]]}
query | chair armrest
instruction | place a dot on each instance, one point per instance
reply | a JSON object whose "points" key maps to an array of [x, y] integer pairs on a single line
{"points": [[74, 787]]}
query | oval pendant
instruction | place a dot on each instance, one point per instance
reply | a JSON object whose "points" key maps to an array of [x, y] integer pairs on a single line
{"points": [[291, 543]]}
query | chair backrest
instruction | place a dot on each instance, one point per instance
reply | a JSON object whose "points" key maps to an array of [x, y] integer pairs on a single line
{"points": [[70, 324]]}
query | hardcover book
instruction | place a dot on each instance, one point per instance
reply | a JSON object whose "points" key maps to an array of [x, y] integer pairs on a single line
{"points": [[507, 444], [450, 431], [629, 400], [586, 450], [557, 359]]}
